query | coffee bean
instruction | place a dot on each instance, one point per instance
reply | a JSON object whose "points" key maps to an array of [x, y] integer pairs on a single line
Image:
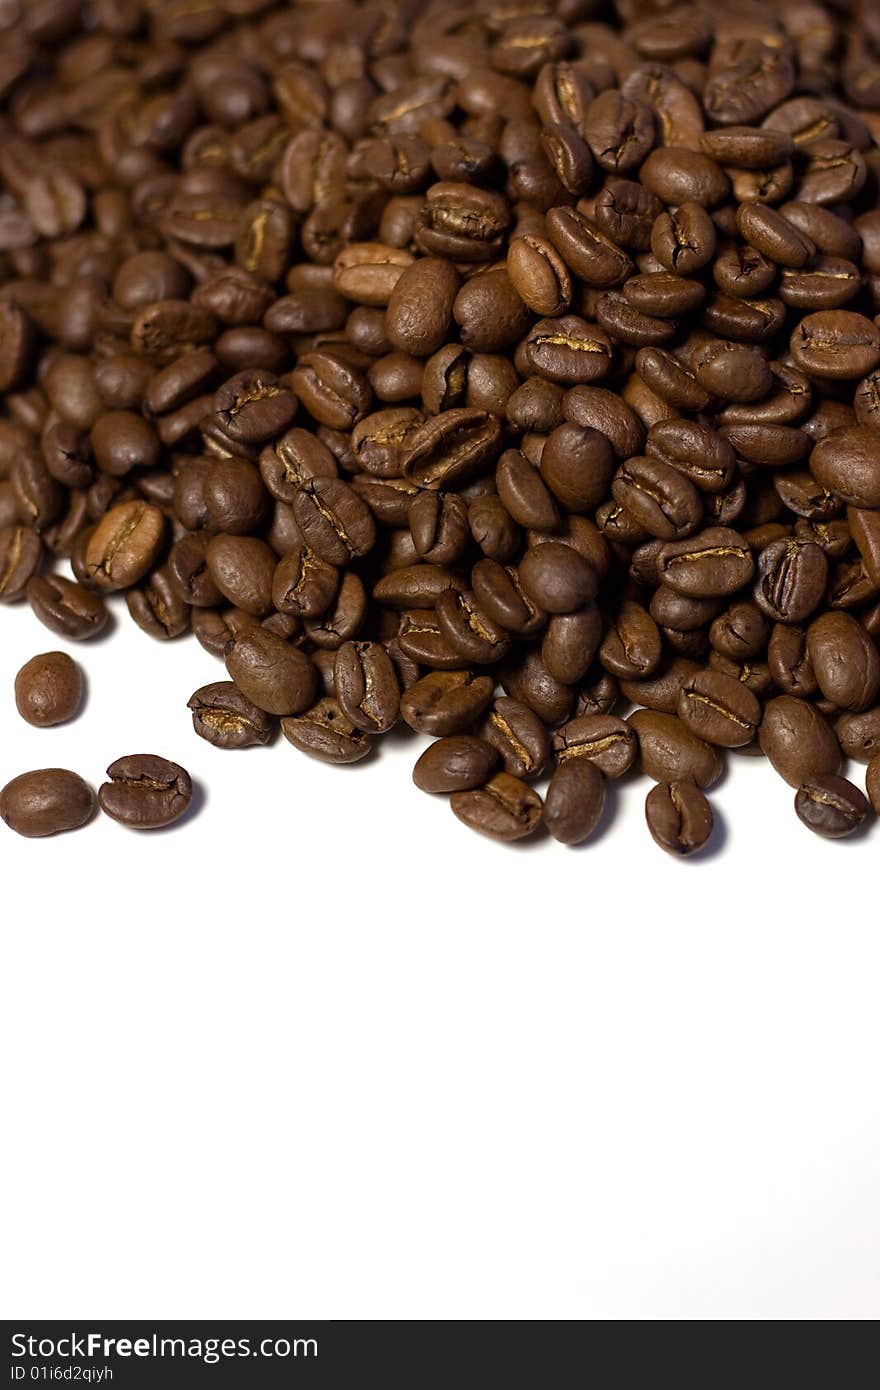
{"points": [[324, 732], [518, 735], [873, 784], [574, 802], [47, 802], [719, 709], [679, 817], [275, 676], [49, 689], [20, 554], [845, 660], [124, 545], [712, 564], [454, 764], [831, 806], [145, 792], [670, 752], [602, 739], [800, 744], [69, 609], [225, 718], [504, 809]]}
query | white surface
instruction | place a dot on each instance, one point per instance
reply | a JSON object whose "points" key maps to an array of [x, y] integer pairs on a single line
{"points": [[323, 1052]]}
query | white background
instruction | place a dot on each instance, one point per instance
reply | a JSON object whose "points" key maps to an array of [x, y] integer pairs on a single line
{"points": [[320, 1051]]}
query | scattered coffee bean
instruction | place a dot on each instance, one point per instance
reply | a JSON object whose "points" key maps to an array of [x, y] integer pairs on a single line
{"points": [[46, 802], [679, 817], [145, 792], [49, 689]]}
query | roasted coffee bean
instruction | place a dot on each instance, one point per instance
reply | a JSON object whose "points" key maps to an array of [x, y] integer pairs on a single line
{"points": [[242, 569], [568, 350], [670, 752], [254, 406], [571, 641], [719, 709], [67, 608], [788, 661], [145, 792], [224, 717], [366, 686], [574, 802], [712, 564], [847, 463], [504, 809], [831, 806], [158, 608], [678, 815], [845, 660], [468, 630], [49, 689], [324, 732], [451, 448], [658, 497], [334, 521], [799, 742], [446, 702], [539, 275], [557, 578], [47, 802], [684, 240], [872, 783], [20, 554], [792, 576], [271, 673], [836, 345], [518, 735], [457, 763], [602, 739], [859, 734], [124, 544]]}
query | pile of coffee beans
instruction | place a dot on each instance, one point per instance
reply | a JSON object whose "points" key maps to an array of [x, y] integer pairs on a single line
{"points": [[490, 367]]}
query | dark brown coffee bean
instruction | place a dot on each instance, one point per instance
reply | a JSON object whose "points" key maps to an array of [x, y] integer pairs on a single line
{"points": [[845, 660], [670, 752], [505, 808], [712, 564], [792, 576], [574, 802], [518, 735], [457, 763], [557, 578], [800, 744], [568, 350], [570, 643], [271, 673], [602, 739], [719, 709], [831, 806], [49, 689], [158, 608], [47, 802], [366, 686], [836, 345], [462, 223], [468, 629], [539, 275], [20, 554], [446, 702], [847, 463], [619, 132], [587, 251], [679, 817], [242, 569], [325, 733], [658, 497], [451, 448], [859, 734], [335, 522], [872, 783], [67, 608], [225, 718], [145, 792]]}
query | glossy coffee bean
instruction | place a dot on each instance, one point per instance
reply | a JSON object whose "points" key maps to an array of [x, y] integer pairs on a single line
{"points": [[574, 802], [831, 807], [49, 689], [679, 817], [145, 792], [46, 802], [457, 763], [506, 808], [225, 718]]}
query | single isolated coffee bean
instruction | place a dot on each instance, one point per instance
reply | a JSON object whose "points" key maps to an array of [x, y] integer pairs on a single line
{"points": [[145, 792], [49, 689], [46, 802]]}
